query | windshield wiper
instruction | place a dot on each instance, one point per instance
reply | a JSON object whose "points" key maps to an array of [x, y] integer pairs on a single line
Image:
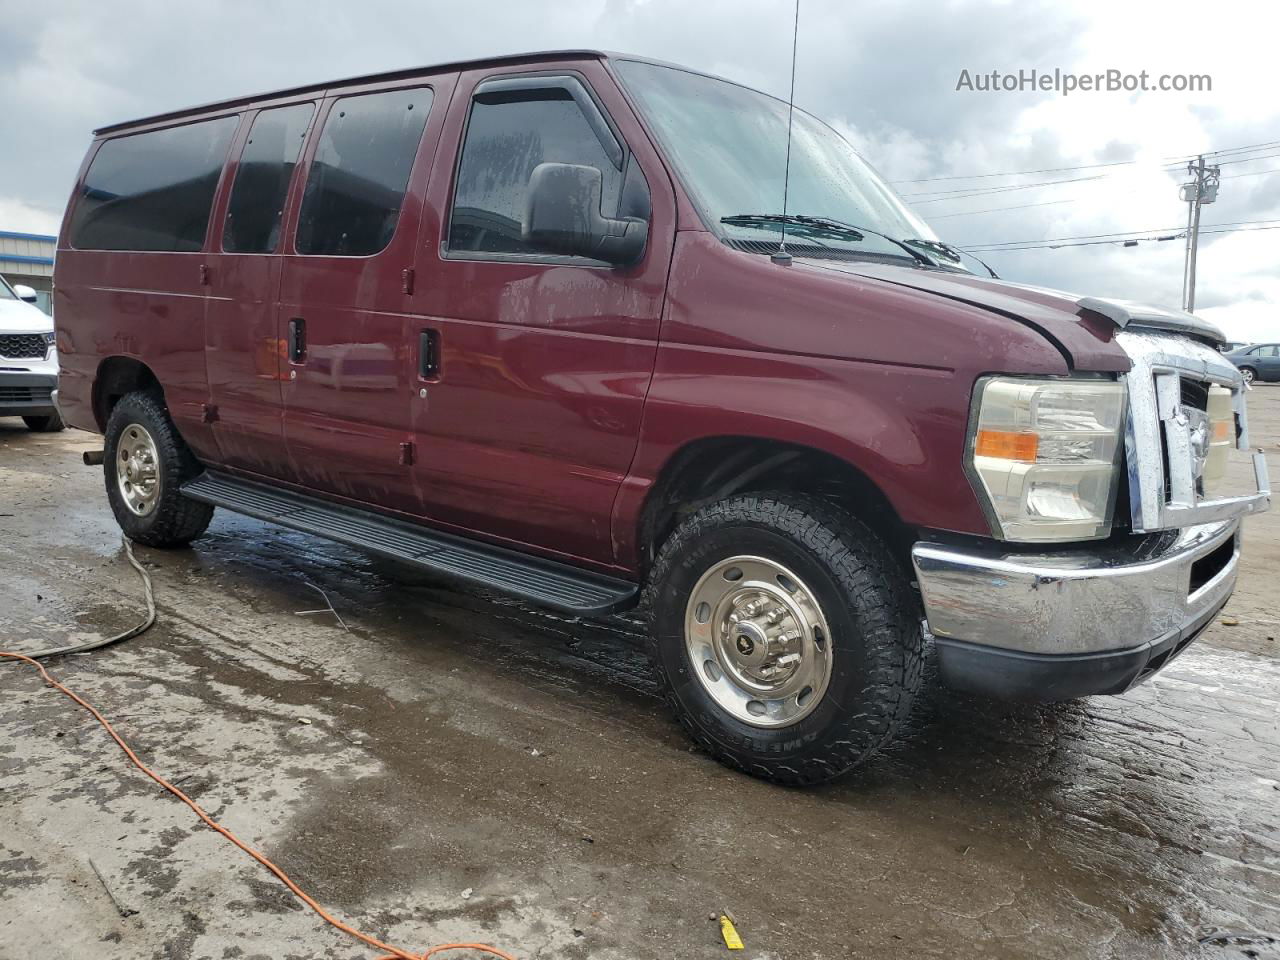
{"points": [[825, 227], [951, 253], [802, 226]]}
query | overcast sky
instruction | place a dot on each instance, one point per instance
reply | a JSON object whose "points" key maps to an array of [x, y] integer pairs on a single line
{"points": [[885, 73]]}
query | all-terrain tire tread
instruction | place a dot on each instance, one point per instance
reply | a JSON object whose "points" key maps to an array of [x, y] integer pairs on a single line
{"points": [[177, 520], [880, 601]]}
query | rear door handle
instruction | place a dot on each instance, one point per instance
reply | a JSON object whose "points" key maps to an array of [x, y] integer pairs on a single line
{"points": [[297, 340], [429, 355]]}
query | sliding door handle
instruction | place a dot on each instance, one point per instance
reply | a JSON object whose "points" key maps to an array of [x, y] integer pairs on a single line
{"points": [[297, 340], [429, 355]]}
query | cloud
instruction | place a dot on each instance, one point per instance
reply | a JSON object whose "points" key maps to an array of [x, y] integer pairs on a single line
{"points": [[20, 216], [886, 73]]}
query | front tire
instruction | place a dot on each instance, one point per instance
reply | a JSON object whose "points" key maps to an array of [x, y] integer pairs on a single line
{"points": [[49, 424], [1249, 375], [145, 463], [784, 636]]}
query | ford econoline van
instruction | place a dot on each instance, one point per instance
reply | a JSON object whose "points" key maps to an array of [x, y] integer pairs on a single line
{"points": [[542, 324]]}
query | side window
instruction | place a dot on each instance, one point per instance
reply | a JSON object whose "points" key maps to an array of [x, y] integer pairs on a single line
{"points": [[152, 191], [262, 179], [361, 167], [508, 134]]}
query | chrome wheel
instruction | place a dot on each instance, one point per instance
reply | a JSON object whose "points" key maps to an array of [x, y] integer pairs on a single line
{"points": [[758, 641], [1247, 374], [138, 470]]}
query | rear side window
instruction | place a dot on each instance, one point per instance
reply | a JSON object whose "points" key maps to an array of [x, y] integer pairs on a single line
{"points": [[262, 179], [152, 191], [507, 137], [359, 173]]}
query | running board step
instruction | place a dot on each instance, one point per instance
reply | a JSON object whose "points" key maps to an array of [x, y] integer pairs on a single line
{"points": [[544, 582]]}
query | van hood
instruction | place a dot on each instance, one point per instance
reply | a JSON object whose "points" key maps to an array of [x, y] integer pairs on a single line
{"points": [[1082, 328], [17, 316]]}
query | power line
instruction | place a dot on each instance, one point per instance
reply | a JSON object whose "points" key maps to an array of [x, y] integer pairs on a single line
{"points": [[1169, 161], [1123, 233], [1251, 173], [960, 193], [1088, 240], [1049, 203], [1263, 156], [1020, 206], [1018, 173], [1217, 153], [935, 196], [1085, 236]]}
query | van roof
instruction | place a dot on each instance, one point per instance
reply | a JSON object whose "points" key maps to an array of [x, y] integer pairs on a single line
{"points": [[352, 81]]}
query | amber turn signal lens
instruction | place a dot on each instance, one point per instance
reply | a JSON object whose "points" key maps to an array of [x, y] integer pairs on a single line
{"points": [[1007, 445]]}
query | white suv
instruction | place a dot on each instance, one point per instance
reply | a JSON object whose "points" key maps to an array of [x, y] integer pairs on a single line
{"points": [[28, 360]]}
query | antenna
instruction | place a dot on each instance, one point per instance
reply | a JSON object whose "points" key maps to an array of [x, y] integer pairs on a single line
{"points": [[782, 256]]}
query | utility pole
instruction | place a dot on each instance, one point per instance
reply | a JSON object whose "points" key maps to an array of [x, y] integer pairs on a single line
{"points": [[1204, 189]]}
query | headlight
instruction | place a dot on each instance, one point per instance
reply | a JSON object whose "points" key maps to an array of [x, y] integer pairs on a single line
{"points": [[1045, 456]]}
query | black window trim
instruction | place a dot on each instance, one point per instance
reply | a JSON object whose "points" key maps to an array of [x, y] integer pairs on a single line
{"points": [[331, 99], [597, 117], [206, 246], [250, 116]]}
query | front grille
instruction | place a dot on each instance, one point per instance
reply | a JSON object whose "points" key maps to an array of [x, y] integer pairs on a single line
{"points": [[1195, 393], [25, 395], [1170, 384], [23, 346]]}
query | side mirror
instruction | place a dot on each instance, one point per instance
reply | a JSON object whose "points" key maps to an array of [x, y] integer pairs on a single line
{"points": [[24, 292], [562, 215]]}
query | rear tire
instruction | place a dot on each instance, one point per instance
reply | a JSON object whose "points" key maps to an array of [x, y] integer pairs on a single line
{"points": [[145, 463], [775, 548], [50, 424]]}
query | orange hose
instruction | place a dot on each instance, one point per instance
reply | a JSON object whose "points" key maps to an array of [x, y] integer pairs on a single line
{"points": [[393, 953]]}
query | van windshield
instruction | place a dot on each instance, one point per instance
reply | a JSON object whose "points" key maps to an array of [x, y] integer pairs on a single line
{"points": [[729, 145]]}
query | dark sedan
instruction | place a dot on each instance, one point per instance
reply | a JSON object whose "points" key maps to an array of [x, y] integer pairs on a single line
{"points": [[1261, 361]]}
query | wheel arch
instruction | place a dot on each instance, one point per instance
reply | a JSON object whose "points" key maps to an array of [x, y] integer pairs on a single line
{"points": [[117, 376], [711, 468]]}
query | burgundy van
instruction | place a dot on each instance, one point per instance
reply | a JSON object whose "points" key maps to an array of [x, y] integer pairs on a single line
{"points": [[539, 324]]}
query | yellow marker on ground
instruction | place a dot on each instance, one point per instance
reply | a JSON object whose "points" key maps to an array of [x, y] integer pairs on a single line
{"points": [[730, 934]]}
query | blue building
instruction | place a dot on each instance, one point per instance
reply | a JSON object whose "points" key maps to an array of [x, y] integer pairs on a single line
{"points": [[28, 258]]}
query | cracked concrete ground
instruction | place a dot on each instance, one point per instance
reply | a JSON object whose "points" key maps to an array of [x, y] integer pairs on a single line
{"points": [[461, 741]]}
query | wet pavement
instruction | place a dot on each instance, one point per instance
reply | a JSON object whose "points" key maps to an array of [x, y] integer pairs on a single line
{"points": [[460, 742]]}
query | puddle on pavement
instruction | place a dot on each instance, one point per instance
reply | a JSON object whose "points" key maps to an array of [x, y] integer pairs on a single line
{"points": [[490, 732]]}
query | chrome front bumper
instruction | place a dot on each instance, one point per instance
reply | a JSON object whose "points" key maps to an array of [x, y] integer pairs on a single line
{"points": [[1061, 625]]}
